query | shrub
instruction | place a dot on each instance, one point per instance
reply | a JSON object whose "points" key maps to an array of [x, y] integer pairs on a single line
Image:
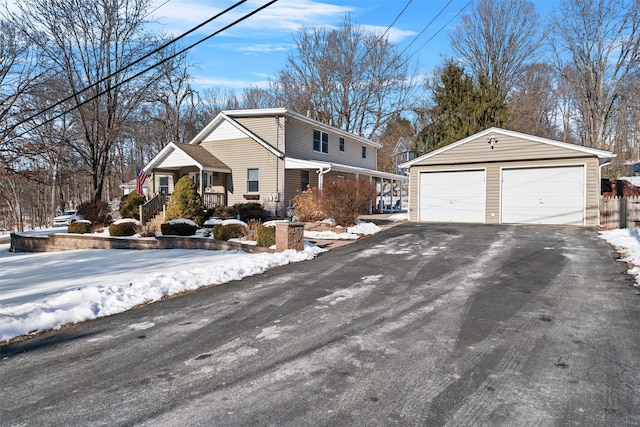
{"points": [[306, 206], [79, 227], [345, 199], [225, 212], [95, 211], [251, 230], [229, 231], [266, 236], [251, 210], [178, 229], [127, 228], [185, 202], [247, 211], [130, 205]]}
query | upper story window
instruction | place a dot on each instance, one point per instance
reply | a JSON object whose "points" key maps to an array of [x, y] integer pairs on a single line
{"points": [[320, 141], [364, 152], [342, 145], [253, 180]]}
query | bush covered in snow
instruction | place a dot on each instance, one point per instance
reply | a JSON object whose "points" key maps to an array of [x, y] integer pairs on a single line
{"points": [[124, 228], [178, 228], [185, 202], [228, 231], [79, 227]]}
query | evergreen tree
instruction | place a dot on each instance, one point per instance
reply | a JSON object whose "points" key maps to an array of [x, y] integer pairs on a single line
{"points": [[461, 108], [185, 202]]}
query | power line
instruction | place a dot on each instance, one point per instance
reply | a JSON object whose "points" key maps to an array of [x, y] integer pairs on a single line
{"points": [[234, 23], [124, 68], [395, 20], [426, 27], [441, 28]]}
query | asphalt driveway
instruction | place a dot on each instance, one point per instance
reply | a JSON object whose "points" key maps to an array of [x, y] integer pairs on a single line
{"points": [[418, 325]]}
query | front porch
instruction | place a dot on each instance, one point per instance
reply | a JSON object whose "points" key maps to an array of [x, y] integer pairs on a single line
{"points": [[175, 161]]}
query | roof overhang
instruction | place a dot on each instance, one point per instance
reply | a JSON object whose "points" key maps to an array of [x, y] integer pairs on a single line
{"points": [[604, 156], [292, 163], [171, 157]]}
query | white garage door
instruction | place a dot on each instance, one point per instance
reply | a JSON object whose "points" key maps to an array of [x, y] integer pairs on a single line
{"points": [[456, 196], [550, 195]]}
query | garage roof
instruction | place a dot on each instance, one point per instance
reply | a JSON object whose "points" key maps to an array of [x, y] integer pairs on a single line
{"points": [[601, 154]]}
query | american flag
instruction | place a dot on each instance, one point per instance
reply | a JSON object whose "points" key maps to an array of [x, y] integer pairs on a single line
{"points": [[141, 177]]}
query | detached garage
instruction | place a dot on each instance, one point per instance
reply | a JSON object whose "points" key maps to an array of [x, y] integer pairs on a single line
{"points": [[504, 177]]}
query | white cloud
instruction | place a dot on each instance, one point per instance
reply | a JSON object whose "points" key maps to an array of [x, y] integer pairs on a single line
{"points": [[394, 35]]}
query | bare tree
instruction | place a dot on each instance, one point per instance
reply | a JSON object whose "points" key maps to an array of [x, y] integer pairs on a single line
{"points": [[19, 70], [90, 43], [344, 75], [497, 40], [533, 102], [597, 48]]}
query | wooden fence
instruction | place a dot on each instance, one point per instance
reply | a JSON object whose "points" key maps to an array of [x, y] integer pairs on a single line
{"points": [[619, 212]]}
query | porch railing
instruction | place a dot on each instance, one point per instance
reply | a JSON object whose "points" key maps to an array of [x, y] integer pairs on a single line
{"points": [[157, 203], [213, 200], [152, 207]]}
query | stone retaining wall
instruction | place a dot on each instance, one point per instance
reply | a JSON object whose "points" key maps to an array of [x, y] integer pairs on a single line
{"points": [[67, 242]]}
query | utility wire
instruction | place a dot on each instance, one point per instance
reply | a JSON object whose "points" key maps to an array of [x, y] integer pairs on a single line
{"points": [[426, 27], [441, 28], [120, 70], [234, 23]]}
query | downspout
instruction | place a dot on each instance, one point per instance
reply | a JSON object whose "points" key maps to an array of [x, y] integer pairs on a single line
{"points": [[321, 172], [600, 186], [277, 164]]}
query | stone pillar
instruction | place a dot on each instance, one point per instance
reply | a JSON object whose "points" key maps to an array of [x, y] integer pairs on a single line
{"points": [[289, 235]]}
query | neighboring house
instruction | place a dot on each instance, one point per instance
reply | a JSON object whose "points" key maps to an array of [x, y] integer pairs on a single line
{"points": [[401, 154], [503, 177], [266, 156], [129, 186]]}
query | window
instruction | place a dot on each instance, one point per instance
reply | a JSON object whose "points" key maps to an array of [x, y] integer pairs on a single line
{"points": [[164, 184], [320, 141], [364, 152], [342, 145], [253, 178], [304, 180]]}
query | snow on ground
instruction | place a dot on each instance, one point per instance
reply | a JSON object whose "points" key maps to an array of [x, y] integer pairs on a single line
{"points": [[41, 291], [627, 243], [353, 233]]}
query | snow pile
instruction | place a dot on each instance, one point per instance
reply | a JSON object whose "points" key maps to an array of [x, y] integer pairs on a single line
{"points": [[75, 286], [329, 235], [627, 243], [365, 228], [399, 217]]}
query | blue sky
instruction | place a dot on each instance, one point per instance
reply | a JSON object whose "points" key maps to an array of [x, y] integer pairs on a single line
{"points": [[251, 52]]}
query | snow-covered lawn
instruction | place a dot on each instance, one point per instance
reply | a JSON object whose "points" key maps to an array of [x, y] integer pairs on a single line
{"points": [[41, 291], [627, 243]]}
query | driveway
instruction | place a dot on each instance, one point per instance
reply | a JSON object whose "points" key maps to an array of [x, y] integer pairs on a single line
{"points": [[418, 325]]}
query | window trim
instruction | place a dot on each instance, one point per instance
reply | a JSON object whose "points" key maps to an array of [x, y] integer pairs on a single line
{"points": [[364, 151], [342, 144], [320, 141], [250, 181]]}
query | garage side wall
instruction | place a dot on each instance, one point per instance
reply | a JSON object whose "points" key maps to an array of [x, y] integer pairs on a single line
{"points": [[493, 182]]}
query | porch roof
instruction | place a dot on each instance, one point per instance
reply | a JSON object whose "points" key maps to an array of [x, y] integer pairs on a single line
{"points": [[291, 163], [177, 155]]}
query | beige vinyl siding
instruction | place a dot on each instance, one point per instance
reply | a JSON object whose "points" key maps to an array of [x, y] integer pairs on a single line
{"points": [[293, 183], [507, 149], [493, 179], [299, 145], [264, 127], [243, 154]]}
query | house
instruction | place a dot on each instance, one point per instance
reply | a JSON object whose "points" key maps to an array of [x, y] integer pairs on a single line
{"points": [[401, 154], [266, 156], [503, 177], [129, 186]]}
